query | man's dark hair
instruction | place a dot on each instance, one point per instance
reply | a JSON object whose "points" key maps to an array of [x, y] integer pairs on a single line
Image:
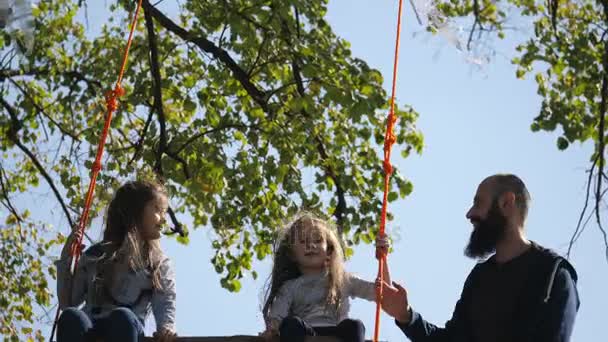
{"points": [[503, 183]]}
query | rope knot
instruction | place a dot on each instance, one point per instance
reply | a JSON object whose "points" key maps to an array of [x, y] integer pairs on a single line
{"points": [[390, 139], [119, 91], [388, 168], [112, 98], [96, 166], [381, 253]]}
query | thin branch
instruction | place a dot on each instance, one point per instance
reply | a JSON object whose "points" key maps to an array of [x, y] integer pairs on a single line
{"points": [[77, 75], [258, 56], [601, 137], [477, 13], [10, 55], [471, 34], [241, 13], [281, 88], [177, 226], [44, 127], [262, 46], [416, 12], [209, 131], [554, 5], [579, 226], [142, 136], [15, 127], [268, 61], [221, 38], [297, 14], [5, 193]]}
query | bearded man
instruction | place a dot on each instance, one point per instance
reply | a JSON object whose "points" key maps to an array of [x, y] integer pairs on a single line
{"points": [[522, 293]]}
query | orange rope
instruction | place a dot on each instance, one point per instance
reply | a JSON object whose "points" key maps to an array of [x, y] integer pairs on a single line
{"points": [[389, 140], [111, 97]]}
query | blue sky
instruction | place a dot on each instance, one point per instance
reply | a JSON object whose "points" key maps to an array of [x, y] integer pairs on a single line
{"points": [[475, 123]]}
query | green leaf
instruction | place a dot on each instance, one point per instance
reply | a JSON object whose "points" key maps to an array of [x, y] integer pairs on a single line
{"points": [[184, 240], [393, 196], [562, 143]]}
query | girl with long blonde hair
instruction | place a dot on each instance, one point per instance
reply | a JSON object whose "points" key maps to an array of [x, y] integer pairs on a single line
{"points": [[308, 291]]}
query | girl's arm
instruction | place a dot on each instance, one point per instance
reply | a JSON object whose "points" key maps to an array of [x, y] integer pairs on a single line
{"points": [[70, 292], [360, 288], [386, 275], [163, 299], [279, 309], [281, 304]]}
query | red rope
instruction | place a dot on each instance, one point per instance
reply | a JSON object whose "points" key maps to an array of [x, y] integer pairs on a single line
{"points": [[112, 97], [389, 140]]}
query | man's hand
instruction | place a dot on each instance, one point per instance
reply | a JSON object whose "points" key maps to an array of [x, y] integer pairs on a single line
{"points": [[395, 303]]}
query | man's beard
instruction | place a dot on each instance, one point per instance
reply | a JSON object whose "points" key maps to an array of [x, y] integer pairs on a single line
{"points": [[487, 233]]}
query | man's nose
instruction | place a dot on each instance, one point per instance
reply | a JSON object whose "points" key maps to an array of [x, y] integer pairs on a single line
{"points": [[469, 215]]}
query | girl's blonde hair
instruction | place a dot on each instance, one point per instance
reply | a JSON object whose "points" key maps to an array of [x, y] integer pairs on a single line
{"points": [[285, 267], [123, 245]]}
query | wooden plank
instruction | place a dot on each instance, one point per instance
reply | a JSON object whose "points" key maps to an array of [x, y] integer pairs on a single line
{"points": [[241, 338]]}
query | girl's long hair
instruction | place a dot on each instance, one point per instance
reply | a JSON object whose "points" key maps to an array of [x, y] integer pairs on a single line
{"points": [[124, 248]]}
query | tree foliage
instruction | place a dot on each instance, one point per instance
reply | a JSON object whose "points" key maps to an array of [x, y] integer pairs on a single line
{"points": [[247, 109], [23, 280]]}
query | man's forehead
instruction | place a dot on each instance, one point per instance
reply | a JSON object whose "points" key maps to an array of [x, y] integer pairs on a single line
{"points": [[484, 189]]}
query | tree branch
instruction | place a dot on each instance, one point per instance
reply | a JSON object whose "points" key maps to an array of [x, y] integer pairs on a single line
{"points": [[15, 127], [330, 172], [158, 107], [177, 226], [601, 137], [477, 13], [554, 5], [204, 44], [209, 131], [156, 91], [77, 75]]}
